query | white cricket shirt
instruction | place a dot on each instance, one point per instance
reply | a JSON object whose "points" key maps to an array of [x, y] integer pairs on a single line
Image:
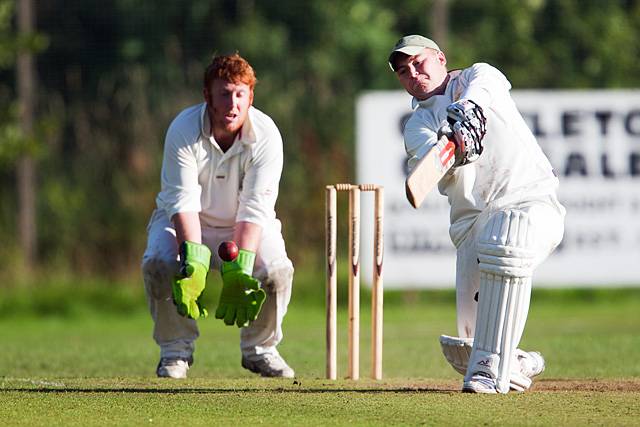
{"points": [[511, 169], [225, 188]]}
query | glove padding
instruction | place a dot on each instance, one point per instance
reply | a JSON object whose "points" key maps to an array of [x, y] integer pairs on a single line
{"points": [[189, 283], [241, 298], [467, 126]]}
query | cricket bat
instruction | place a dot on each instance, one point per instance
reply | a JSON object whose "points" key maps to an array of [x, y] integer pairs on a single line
{"points": [[430, 170]]}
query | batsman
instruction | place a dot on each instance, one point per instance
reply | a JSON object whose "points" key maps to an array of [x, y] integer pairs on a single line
{"points": [[221, 170], [505, 216]]}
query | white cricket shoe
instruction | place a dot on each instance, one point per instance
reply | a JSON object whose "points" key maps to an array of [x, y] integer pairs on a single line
{"points": [[480, 383], [268, 365], [531, 363], [528, 365], [173, 367]]}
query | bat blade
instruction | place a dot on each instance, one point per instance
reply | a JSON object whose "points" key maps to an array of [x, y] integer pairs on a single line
{"points": [[429, 171]]}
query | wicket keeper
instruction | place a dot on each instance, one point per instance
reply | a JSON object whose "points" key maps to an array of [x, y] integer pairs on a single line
{"points": [[220, 174], [505, 215]]}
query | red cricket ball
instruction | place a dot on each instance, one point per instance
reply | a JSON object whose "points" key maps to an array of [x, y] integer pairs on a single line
{"points": [[228, 251]]}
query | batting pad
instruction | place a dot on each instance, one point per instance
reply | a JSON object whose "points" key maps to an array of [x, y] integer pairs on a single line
{"points": [[505, 255]]}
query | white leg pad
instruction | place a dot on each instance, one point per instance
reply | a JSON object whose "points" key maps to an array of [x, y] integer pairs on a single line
{"points": [[505, 254], [499, 325]]}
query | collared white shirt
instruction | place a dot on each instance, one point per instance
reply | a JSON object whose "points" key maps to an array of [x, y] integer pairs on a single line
{"points": [[240, 184], [512, 168]]}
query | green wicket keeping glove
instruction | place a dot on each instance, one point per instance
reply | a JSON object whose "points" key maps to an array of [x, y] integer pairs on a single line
{"points": [[190, 281], [241, 297]]}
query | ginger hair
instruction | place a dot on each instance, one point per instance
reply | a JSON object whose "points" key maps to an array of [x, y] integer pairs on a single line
{"points": [[231, 68]]}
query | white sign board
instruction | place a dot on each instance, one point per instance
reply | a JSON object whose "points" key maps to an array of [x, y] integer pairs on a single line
{"points": [[592, 139]]}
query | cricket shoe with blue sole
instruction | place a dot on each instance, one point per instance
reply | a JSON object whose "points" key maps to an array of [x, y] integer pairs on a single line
{"points": [[480, 382], [531, 364], [526, 364]]}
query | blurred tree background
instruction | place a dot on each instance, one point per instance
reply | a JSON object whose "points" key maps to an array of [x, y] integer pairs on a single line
{"points": [[110, 76]]}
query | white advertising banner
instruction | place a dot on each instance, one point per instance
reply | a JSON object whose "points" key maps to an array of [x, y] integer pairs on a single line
{"points": [[592, 139]]}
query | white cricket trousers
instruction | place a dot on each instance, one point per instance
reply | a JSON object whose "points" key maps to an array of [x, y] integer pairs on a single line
{"points": [[548, 216], [175, 334]]}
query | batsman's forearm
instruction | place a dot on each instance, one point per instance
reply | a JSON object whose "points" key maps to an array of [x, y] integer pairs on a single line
{"points": [[187, 225]]}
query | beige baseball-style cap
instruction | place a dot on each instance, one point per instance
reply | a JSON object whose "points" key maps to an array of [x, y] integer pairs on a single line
{"points": [[410, 45]]}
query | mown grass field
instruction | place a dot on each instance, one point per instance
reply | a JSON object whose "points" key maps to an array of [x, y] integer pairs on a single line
{"points": [[93, 364]]}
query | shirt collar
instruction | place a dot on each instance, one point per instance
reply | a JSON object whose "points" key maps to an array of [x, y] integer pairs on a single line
{"points": [[205, 124], [432, 100], [248, 132]]}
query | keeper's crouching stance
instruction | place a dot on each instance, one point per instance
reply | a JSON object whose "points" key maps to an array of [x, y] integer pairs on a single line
{"points": [[221, 170], [505, 215], [176, 334]]}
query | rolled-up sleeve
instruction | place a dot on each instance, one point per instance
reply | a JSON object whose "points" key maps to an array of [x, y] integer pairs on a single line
{"points": [[262, 177], [180, 190]]}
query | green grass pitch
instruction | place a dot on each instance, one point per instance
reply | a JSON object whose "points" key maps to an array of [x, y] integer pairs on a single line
{"points": [[97, 368]]}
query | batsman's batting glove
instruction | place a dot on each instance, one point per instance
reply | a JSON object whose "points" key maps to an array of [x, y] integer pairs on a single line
{"points": [[191, 279], [241, 297], [468, 127]]}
